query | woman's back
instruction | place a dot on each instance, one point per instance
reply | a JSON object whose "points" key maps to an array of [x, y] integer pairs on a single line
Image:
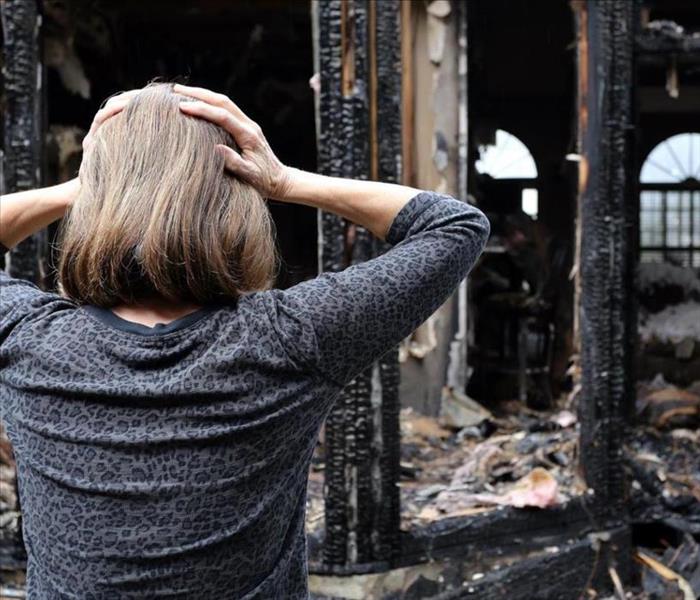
{"points": [[172, 462]]}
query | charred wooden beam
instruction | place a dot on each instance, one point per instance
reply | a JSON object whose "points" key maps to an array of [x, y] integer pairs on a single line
{"points": [[505, 531], [358, 48], [528, 566], [23, 118], [607, 251], [571, 572], [661, 39], [21, 166]]}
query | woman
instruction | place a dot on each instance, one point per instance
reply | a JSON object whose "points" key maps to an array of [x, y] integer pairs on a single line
{"points": [[164, 408]]}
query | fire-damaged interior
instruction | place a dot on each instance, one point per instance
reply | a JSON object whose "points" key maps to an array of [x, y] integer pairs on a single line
{"points": [[538, 436]]}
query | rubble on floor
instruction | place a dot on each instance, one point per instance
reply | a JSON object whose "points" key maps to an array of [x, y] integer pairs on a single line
{"points": [[11, 575], [9, 515], [663, 462], [673, 574], [673, 324], [669, 322], [661, 281], [517, 457], [520, 457], [663, 456]]}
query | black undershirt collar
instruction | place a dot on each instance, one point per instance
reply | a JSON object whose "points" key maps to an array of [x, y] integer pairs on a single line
{"points": [[107, 317]]}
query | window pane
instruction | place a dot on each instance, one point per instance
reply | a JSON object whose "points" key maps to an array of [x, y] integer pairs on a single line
{"points": [[530, 202], [651, 218]]}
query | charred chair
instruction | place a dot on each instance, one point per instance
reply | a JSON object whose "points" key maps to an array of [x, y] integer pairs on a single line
{"points": [[516, 297]]}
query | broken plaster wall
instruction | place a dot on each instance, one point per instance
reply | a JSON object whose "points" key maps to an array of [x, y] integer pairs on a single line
{"points": [[434, 156]]}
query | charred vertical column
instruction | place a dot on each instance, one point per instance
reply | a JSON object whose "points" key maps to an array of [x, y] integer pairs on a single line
{"points": [[359, 105], [20, 171], [387, 81], [608, 320], [20, 23]]}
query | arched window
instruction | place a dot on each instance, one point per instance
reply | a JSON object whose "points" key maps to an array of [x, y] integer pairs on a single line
{"points": [[669, 216], [510, 159]]}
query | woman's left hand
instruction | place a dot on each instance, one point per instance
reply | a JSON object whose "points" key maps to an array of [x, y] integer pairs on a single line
{"points": [[65, 193], [112, 107]]}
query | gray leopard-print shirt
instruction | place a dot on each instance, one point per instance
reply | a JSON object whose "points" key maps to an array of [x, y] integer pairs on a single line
{"points": [[171, 462]]}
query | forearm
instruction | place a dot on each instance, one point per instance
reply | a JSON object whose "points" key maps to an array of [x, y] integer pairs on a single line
{"points": [[371, 204], [25, 213]]}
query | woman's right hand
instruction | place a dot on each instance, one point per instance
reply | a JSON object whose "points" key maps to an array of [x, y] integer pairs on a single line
{"points": [[256, 163]]}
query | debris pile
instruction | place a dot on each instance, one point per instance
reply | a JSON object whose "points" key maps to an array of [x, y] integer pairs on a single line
{"points": [[675, 573], [470, 460], [663, 461], [669, 322], [673, 324], [12, 575], [519, 458], [664, 282], [663, 457]]}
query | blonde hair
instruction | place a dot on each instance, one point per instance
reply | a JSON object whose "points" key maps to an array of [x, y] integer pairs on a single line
{"points": [[158, 216]]}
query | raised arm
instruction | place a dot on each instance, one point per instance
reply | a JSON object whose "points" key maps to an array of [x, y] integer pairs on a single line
{"points": [[370, 204], [339, 323], [25, 213]]}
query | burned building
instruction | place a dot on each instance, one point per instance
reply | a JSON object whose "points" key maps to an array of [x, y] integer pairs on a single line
{"points": [[537, 437]]}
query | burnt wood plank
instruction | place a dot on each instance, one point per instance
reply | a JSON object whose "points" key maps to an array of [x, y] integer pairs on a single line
{"points": [[359, 104], [23, 121], [607, 253], [564, 575]]}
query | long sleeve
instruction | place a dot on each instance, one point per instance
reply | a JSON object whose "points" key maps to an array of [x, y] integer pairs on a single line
{"points": [[339, 323], [17, 298]]}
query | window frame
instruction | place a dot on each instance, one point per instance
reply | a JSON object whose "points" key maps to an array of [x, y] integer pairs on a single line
{"points": [[693, 250]]}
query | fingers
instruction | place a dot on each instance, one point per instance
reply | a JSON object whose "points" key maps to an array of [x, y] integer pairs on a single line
{"points": [[121, 96], [112, 107], [212, 98], [233, 161], [242, 132]]}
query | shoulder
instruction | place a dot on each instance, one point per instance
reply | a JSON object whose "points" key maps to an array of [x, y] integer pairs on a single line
{"points": [[284, 323], [21, 300]]}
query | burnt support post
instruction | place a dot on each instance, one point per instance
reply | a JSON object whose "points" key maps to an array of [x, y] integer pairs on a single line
{"points": [[20, 171], [359, 105], [23, 118], [607, 250]]}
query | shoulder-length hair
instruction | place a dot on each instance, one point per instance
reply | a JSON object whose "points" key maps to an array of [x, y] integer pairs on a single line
{"points": [[158, 216]]}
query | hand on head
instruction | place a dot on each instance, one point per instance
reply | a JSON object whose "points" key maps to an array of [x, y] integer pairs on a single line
{"points": [[113, 106], [256, 163]]}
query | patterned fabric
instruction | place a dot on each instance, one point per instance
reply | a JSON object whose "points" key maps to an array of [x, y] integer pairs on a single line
{"points": [[172, 462]]}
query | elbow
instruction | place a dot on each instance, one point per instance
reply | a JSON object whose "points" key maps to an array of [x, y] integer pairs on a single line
{"points": [[476, 230], [481, 227]]}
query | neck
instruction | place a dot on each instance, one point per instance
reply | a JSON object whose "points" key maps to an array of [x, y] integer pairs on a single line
{"points": [[151, 311]]}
